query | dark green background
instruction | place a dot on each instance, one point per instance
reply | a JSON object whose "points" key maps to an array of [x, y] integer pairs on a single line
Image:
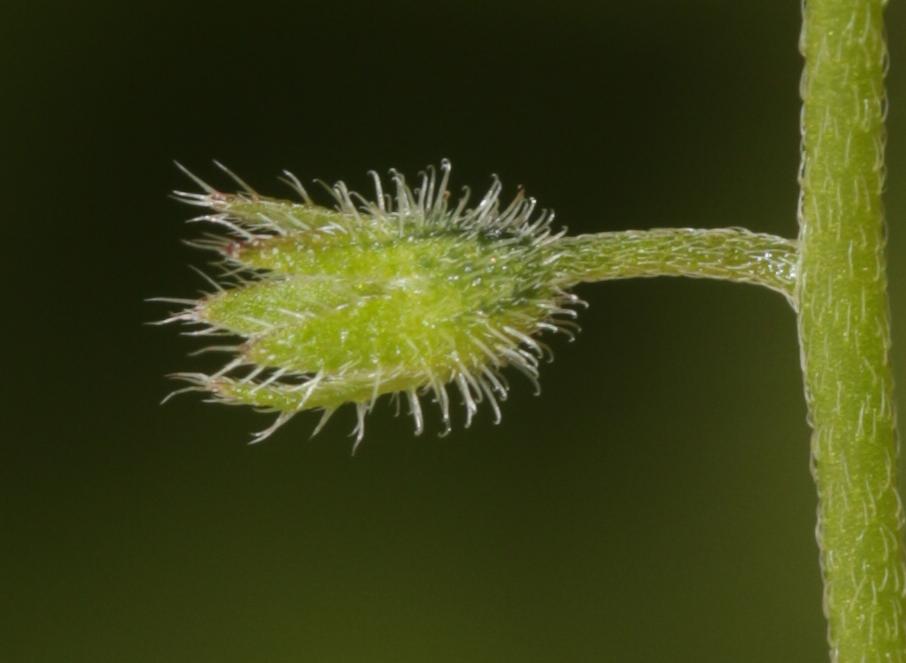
{"points": [[654, 504]]}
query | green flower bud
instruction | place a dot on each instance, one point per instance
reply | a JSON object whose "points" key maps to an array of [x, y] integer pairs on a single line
{"points": [[408, 294]]}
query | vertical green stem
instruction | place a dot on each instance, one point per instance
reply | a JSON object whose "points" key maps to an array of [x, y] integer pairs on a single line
{"points": [[844, 330]]}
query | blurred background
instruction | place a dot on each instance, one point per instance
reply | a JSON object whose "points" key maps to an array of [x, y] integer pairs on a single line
{"points": [[654, 503]]}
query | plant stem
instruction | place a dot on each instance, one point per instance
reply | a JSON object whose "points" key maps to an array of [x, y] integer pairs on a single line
{"points": [[728, 254], [844, 330]]}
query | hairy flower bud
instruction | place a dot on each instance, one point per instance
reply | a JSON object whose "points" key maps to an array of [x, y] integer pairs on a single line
{"points": [[405, 294]]}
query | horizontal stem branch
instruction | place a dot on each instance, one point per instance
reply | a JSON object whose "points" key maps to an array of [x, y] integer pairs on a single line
{"points": [[729, 254]]}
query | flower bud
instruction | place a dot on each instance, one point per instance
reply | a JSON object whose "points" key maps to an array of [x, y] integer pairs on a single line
{"points": [[411, 294]]}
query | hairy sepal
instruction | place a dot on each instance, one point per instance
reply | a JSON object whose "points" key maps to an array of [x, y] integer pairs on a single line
{"points": [[405, 295]]}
